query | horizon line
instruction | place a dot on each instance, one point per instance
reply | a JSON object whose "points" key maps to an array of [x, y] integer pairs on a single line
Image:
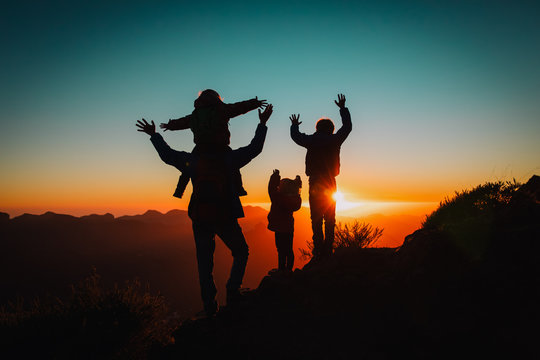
{"points": [[13, 213]]}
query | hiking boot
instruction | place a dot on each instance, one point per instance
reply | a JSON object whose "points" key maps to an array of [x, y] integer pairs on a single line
{"points": [[234, 297], [208, 312], [315, 260], [276, 272]]}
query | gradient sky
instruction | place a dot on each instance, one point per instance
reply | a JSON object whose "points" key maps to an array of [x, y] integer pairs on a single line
{"points": [[444, 95]]}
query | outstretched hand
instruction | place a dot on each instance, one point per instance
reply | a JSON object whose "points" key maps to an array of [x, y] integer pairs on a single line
{"points": [[265, 115], [295, 119], [340, 101], [165, 126], [145, 127], [261, 103]]}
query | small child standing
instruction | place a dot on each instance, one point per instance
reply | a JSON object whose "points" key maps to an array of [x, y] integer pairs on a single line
{"points": [[285, 198]]}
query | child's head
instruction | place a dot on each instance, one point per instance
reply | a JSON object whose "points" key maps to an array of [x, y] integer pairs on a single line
{"points": [[325, 126], [289, 186], [206, 98]]}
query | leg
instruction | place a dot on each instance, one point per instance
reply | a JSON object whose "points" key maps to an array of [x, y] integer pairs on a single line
{"points": [[281, 250], [289, 253], [329, 226], [231, 234], [316, 211], [205, 245]]}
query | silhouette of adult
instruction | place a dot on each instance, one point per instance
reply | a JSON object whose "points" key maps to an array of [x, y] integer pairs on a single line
{"points": [[322, 167], [215, 206]]}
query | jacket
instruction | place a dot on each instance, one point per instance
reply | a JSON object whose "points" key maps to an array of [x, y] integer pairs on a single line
{"points": [[215, 194], [322, 157], [210, 124]]}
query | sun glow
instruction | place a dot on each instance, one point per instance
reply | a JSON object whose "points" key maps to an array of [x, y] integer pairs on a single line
{"points": [[338, 196], [341, 203]]}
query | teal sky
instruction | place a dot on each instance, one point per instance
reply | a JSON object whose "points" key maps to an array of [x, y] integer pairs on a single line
{"points": [[444, 94]]}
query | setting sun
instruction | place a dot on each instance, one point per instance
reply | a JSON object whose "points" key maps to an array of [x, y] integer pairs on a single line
{"points": [[338, 197], [341, 203]]}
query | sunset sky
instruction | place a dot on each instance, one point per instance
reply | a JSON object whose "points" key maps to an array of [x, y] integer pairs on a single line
{"points": [[444, 95]]}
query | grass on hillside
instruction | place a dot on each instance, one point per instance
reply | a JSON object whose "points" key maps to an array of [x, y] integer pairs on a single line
{"points": [[355, 235], [94, 322], [469, 217]]}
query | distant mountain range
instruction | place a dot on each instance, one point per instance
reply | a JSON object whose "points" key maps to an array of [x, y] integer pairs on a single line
{"points": [[46, 253]]}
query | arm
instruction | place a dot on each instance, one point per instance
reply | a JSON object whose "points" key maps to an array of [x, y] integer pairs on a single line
{"points": [[298, 137], [346, 126], [178, 159], [177, 124], [273, 184], [243, 155], [243, 107]]}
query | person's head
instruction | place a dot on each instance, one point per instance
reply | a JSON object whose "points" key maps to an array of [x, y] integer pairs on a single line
{"points": [[289, 186], [325, 126], [207, 97]]}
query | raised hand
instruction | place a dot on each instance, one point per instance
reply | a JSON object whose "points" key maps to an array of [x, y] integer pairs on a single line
{"points": [[295, 119], [275, 175], [261, 103], [340, 101], [265, 115], [145, 127]]}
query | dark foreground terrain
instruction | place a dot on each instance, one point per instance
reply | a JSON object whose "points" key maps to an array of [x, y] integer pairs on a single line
{"points": [[463, 286]]}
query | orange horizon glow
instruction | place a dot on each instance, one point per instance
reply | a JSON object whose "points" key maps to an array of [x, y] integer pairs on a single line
{"points": [[82, 199], [355, 198], [347, 209]]}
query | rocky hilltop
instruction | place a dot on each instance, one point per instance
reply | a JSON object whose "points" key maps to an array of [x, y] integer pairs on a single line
{"points": [[465, 285]]}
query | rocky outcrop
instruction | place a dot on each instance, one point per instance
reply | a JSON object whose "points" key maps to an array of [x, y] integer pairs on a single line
{"points": [[430, 299]]}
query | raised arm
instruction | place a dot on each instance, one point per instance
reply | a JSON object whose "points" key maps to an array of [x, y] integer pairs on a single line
{"points": [[243, 107], [177, 124], [273, 184], [178, 159], [243, 155], [346, 126], [298, 137]]}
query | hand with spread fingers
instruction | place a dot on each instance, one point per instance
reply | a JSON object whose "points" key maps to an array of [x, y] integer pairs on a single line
{"points": [[295, 119], [261, 103], [265, 115], [145, 127], [165, 126], [340, 101]]}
